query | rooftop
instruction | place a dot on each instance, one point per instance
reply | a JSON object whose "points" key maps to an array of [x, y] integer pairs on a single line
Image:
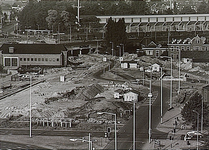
{"points": [[33, 48]]}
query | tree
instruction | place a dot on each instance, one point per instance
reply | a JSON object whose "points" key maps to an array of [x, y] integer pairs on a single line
{"points": [[65, 18], [194, 103], [188, 10], [203, 8], [116, 33], [51, 18]]}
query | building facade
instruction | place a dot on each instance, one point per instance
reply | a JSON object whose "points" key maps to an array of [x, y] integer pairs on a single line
{"points": [[154, 23], [16, 55], [154, 50], [196, 44]]}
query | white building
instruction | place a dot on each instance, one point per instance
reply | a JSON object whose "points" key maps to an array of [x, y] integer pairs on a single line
{"points": [[131, 96], [155, 67]]}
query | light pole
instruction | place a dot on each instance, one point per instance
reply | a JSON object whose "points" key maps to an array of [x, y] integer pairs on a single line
{"points": [[30, 111], [119, 50], [112, 47], [89, 141], [59, 33], [134, 124], [100, 113], [150, 98], [197, 125], [161, 96], [202, 118], [70, 36], [171, 80], [179, 70]]}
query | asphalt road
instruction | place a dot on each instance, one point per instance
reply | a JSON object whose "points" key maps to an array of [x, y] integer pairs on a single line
{"points": [[125, 135]]}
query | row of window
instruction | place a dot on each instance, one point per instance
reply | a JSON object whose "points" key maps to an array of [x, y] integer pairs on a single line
{"points": [[40, 59], [187, 48]]}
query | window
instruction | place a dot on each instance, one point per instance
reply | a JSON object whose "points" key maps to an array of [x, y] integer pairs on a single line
{"points": [[14, 61], [157, 53], [11, 49], [28, 59], [182, 48], [196, 48], [50, 59], [53, 59], [35, 59], [7, 61], [58, 59], [42, 59], [24, 59], [39, 59], [188, 48], [46, 59], [20, 59], [177, 47], [172, 48], [31, 59]]}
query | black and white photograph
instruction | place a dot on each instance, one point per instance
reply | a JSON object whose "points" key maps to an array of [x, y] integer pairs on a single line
{"points": [[104, 74]]}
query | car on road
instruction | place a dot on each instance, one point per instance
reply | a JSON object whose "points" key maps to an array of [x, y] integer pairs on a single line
{"points": [[192, 135]]}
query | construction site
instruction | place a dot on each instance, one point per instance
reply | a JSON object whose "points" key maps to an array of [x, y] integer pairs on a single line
{"points": [[70, 97]]}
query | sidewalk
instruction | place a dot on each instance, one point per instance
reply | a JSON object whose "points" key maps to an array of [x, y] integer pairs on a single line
{"points": [[174, 140]]}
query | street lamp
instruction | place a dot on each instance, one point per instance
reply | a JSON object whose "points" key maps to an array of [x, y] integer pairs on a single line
{"points": [[30, 111], [161, 96], [171, 80], [112, 47], [119, 50], [202, 117], [179, 70], [100, 113], [134, 124], [197, 125], [150, 98], [89, 141], [70, 34]]}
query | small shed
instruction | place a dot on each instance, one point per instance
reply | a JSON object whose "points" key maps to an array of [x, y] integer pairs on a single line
{"points": [[129, 64], [155, 67]]}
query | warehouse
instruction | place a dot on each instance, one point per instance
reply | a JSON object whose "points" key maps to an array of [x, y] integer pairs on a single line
{"points": [[16, 55]]}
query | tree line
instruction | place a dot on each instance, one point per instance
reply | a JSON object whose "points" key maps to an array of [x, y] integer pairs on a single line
{"points": [[50, 14]]}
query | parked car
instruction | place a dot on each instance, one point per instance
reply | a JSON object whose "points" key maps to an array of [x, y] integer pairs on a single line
{"points": [[192, 135]]}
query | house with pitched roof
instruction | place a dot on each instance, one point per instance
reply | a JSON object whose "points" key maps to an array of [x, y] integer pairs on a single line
{"points": [[154, 50], [17, 55]]}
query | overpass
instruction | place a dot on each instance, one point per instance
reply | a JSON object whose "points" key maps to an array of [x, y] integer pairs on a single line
{"points": [[152, 23]]}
